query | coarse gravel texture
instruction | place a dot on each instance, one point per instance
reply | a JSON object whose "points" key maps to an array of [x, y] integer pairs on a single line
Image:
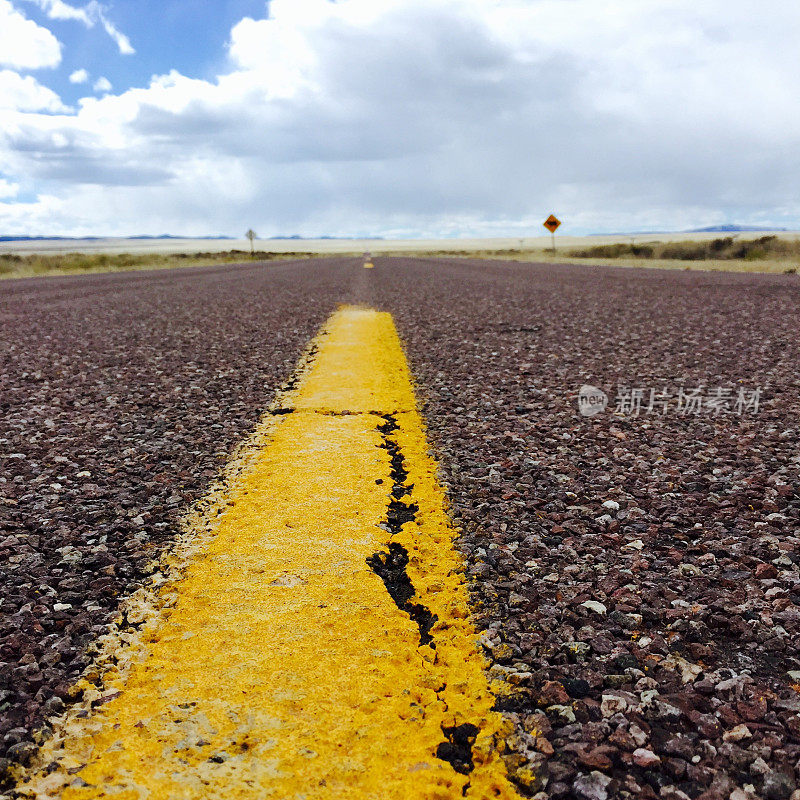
{"points": [[646, 642], [122, 397]]}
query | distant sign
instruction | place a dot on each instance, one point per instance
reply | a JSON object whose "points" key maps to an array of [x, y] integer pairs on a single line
{"points": [[552, 223]]}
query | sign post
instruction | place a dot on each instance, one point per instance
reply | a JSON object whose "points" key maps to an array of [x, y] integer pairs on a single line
{"points": [[552, 224]]}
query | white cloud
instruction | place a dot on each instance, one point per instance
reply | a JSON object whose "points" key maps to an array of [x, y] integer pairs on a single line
{"points": [[44, 214], [79, 76], [122, 41], [442, 117], [23, 43], [20, 93], [102, 84], [90, 15], [56, 9], [8, 189]]}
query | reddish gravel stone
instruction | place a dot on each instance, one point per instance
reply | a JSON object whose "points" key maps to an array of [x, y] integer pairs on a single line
{"points": [[122, 396], [125, 393], [645, 758], [685, 528], [766, 571], [553, 693]]}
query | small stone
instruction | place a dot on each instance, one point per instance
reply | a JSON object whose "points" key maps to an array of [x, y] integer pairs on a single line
{"points": [[22, 751], [766, 571], [592, 786], [544, 746], [599, 757], [62, 606], [576, 687], [580, 650], [519, 678], [777, 786], [730, 683], [704, 686], [611, 505], [565, 712], [707, 724], [636, 544], [622, 739], [645, 758], [737, 734], [687, 670], [611, 704], [648, 697], [594, 605], [533, 780], [502, 652], [55, 705], [752, 712], [553, 693], [673, 793], [679, 746]]}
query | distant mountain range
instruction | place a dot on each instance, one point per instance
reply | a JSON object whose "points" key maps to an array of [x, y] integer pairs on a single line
{"points": [[167, 236], [735, 229], [709, 229], [99, 238]]}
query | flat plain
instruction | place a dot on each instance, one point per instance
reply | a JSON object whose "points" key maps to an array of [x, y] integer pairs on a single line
{"points": [[754, 251]]}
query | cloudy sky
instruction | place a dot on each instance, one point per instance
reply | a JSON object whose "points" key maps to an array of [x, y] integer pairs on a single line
{"points": [[397, 117]]}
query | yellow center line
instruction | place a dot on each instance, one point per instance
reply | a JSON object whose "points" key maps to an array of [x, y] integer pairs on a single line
{"points": [[319, 646]]}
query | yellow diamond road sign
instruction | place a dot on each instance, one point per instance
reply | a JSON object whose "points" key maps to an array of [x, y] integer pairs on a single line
{"points": [[552, 223]]}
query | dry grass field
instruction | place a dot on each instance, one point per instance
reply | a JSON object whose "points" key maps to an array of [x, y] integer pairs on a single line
{"points": [[770, 253], [743, 252], [16, 265]]}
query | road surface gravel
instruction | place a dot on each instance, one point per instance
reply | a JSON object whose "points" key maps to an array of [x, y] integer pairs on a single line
{"points": [[122, 397], [636, 578]]}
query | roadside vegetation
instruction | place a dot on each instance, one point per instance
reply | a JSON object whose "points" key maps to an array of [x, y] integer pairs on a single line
{"points": [[775, 254], [764, 254], [13, 265], [729, 248]]}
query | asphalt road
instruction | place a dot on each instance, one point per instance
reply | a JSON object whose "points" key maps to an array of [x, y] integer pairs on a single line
{"points": [[648, 640]]}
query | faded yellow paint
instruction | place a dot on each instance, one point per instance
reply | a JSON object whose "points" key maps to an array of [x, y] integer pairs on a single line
{"points": [[284, 669]]}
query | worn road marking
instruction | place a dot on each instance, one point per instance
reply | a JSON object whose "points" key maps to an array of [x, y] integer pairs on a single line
{"points": [[319, 646]]}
